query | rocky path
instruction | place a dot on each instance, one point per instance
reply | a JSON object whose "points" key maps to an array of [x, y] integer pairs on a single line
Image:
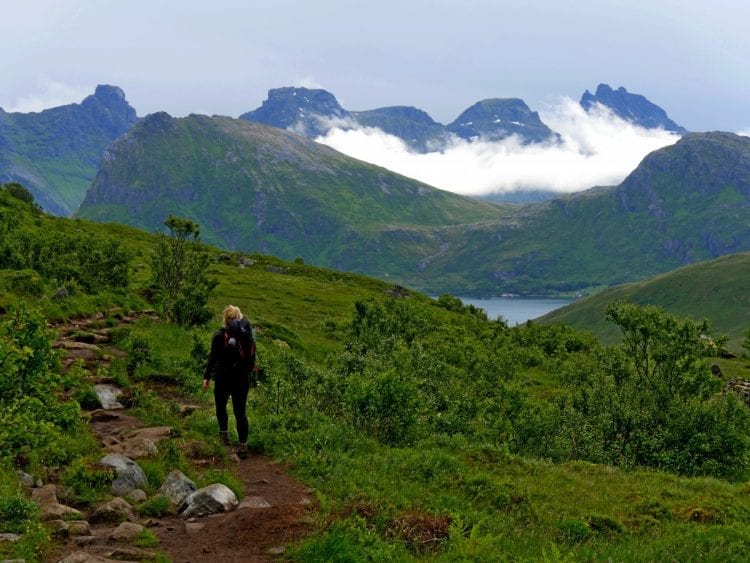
{"points": [[274, 512]]}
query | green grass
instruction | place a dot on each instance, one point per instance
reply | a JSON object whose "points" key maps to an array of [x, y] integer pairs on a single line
{"points": [[717, 290]]}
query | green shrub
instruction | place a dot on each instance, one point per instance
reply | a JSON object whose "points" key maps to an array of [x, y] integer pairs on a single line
{"points": [[573, 531], [17, 514], [146, 538], [89, 483], [155, 507]]}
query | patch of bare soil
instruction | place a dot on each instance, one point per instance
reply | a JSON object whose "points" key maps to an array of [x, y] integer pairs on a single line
{"points": [[275, 511]]}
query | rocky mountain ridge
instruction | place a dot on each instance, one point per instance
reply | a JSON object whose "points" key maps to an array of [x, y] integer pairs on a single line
{"points": [[55, 152], [313, 112]]}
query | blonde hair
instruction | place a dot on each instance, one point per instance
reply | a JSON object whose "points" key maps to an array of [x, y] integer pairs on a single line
{"points": [[231, 313]]}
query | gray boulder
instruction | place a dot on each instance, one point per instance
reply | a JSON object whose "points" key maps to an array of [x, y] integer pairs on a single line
{"points": [[177, 487], [213, 499], [129, 475], [115, 511]]}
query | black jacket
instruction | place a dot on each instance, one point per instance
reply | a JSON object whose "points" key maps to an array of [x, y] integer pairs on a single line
{"points": [[222, 362]]}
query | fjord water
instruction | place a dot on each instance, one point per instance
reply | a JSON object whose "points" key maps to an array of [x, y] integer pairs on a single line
{"points": [[516, 310]]}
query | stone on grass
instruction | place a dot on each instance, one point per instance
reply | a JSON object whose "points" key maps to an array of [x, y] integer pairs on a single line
{"points": [[115, 511], [49, 507], [177, 487], [126, 531], [129, 475]]}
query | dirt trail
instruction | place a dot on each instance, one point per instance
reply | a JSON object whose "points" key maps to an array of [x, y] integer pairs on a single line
{"points": [[275, 511]]}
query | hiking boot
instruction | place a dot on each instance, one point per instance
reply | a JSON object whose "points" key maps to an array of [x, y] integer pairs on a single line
{"points": [[242, 451], [224, 438]]}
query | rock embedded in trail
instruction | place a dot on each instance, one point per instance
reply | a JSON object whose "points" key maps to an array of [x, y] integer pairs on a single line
{"points": [[177, 487], [115, 511], [129, 475], [50, 507], [213, 499], [108, 396]]}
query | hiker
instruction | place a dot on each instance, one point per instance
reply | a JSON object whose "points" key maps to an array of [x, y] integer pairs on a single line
{"points": [[231, 362]]}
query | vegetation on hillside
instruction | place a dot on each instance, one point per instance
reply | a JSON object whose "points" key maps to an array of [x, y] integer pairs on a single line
{"points": [[427, 430]]}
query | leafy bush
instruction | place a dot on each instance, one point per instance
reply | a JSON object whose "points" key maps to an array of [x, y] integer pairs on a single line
{"points": [[155, 507], [17, 513]]}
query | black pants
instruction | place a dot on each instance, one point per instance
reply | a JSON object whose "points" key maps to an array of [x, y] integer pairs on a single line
{"points": [[237, 388]]}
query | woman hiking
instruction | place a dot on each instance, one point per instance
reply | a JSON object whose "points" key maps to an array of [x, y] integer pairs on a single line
{"points": [[230, 363]]}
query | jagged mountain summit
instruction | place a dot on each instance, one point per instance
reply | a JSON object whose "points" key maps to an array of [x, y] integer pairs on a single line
{"points": [[302, 110], [55, 152], [631, 107], [496, 119], [313, 112]]}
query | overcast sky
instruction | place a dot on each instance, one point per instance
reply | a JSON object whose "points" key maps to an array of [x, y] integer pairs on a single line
{"points": [[221, 57]]}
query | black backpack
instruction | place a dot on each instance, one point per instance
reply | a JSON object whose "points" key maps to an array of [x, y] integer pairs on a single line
{"points": [[239, 345]]}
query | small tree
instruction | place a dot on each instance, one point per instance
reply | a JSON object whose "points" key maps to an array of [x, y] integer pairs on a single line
{"points": [[179, 273]]}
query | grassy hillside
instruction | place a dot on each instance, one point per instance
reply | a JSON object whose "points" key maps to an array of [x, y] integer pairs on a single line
{"points": [[717, 290], [427, 431], [257, 188]]}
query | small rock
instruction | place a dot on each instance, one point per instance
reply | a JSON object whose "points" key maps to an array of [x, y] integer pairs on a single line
{"points": [[131, 554], [83, 557], [26, 479], [137, 495], [177, 487], [116, 510], [281, 550], [209, 500], [126, 531], [79, 528], [9, 538], [84, 540], [129, 475], [60, 293], [58, 528], [254, 502], [50, 508], [108, 395], [193, 527]]}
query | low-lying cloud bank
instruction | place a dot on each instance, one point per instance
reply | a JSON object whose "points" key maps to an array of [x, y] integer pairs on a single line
{"points": [[596, 148]]}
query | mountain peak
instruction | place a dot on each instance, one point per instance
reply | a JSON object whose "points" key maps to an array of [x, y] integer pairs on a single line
{"points": [[497, 118], [302, 110], [634, 108]]}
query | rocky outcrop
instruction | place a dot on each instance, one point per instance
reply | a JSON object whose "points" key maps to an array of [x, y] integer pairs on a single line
{"points": [[497, 119], [630, 107]]}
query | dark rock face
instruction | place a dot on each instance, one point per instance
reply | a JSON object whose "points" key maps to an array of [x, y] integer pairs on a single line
{"points": [[302, 110], [55, 152], [496, 119], [313, 112], [630, 107]]}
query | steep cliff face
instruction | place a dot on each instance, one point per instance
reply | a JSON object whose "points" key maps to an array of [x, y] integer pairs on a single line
{"points": [[55, 152]]}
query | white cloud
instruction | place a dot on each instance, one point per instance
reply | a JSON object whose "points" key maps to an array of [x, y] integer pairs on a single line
{"points": [[596, 148], [49, 94], [744, 132]]}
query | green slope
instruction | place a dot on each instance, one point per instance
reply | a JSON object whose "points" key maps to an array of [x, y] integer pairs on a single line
{"points": [[717, 290], [257, 188], [683, 204], [468, 387]]}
